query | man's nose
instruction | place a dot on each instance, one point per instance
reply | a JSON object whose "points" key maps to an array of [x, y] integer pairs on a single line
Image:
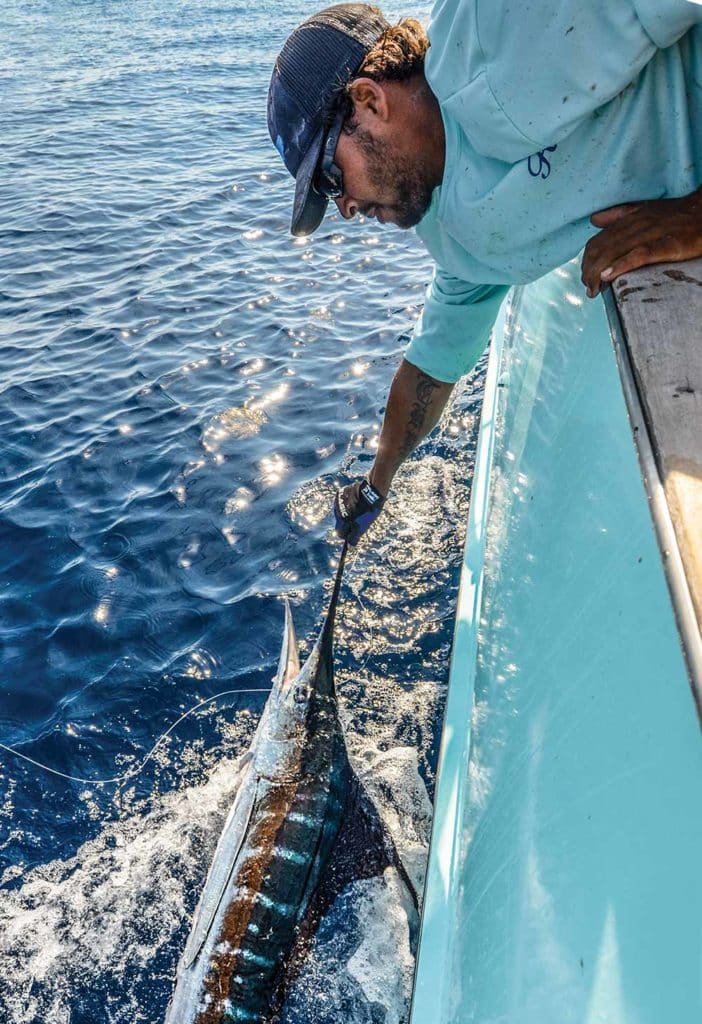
{"points": [[347, 207]]}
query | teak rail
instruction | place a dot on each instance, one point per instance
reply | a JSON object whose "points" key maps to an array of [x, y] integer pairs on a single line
{"points": [[655, 315]]}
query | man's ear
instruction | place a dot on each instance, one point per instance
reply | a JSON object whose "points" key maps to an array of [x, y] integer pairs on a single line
{"points": [[370, 100]]}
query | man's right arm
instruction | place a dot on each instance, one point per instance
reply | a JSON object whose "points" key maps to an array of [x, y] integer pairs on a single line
{"points": [[415, 404], [448, 340]]}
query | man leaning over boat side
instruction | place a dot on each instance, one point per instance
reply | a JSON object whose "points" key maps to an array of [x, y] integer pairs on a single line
{"points": [[509, 139]]}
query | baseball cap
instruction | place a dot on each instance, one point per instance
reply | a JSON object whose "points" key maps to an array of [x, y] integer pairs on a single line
{"points": [[319, 58]]}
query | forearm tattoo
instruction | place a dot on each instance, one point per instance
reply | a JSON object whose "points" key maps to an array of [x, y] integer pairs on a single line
{"points": [[426, 386]]}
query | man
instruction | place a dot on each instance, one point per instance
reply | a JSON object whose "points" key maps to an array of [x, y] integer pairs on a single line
{"points": [[497, 136]]}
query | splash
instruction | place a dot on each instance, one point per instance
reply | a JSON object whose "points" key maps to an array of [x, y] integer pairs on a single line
{"points": [[110, 919], [368, 937]]}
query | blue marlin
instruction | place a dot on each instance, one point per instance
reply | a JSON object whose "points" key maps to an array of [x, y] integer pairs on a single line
{"points": [[298, 800]]}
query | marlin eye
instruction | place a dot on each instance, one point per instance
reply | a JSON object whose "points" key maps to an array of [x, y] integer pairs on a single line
{"points": [[299, 695]]}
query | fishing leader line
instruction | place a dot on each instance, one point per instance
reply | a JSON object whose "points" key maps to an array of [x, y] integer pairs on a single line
{"points": [[133, 772]]}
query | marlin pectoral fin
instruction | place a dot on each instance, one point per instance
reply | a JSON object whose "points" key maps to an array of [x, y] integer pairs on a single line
{"points": [[221, 869], [289, 664], [363, 849]]}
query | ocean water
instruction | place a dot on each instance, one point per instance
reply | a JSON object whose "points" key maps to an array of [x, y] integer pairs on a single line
{"points": [[182, 388]]}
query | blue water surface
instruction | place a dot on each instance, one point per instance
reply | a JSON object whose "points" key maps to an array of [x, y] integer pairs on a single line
{"points": [[183, 386]]}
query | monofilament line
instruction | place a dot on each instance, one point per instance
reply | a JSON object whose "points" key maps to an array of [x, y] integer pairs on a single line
{"points": [[133, 772]]}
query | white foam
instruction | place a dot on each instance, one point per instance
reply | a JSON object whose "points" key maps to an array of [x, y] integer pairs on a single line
{"points": [[394, 784], [383, 964], [110, 910], [360, 964]]}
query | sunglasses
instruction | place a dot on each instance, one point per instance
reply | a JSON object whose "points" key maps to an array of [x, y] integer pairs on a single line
{"points": [[328, 180]]}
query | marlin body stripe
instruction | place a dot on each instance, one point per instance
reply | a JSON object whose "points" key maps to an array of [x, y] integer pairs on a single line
{"points": [[274, 846]]}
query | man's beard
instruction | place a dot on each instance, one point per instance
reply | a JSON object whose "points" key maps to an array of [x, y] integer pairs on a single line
{"points": [[390, 174]]}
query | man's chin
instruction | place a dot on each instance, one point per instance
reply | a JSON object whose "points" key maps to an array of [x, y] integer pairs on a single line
{"points": [[399, 217], [408, 219]]}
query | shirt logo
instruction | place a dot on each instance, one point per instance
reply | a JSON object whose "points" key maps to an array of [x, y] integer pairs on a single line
{"points": [[539, 165]]}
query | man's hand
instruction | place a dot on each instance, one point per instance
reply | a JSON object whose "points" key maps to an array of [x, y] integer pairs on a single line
{"points": [[356, 507], [637, 234]]}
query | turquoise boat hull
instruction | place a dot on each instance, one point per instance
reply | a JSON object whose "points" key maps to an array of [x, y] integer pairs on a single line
{"points": [[565, 872]]}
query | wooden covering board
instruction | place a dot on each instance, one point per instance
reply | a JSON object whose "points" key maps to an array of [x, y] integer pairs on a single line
{"points": [[660, 308]]}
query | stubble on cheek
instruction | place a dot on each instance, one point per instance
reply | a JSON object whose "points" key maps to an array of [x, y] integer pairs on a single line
{"points": [[400, 189]]}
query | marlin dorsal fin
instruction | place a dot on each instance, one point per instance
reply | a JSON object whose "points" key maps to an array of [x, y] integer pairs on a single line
{"points": [[289, 663]]}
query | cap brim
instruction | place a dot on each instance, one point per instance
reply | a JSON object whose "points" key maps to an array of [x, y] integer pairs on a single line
{"points": [[309, 207]]}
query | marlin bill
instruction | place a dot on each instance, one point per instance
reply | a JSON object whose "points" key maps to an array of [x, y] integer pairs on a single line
{"points": [[272, 874]]}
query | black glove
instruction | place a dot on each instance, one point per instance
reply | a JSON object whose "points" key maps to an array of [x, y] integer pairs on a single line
{"points": [[356, 507]]}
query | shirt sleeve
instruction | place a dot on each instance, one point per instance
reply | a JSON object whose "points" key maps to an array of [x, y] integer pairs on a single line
{"points": [[454, 327], [666, 21]]}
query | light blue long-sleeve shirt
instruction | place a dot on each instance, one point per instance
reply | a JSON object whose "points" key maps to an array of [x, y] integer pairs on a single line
{"points": [[552, 110]]}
